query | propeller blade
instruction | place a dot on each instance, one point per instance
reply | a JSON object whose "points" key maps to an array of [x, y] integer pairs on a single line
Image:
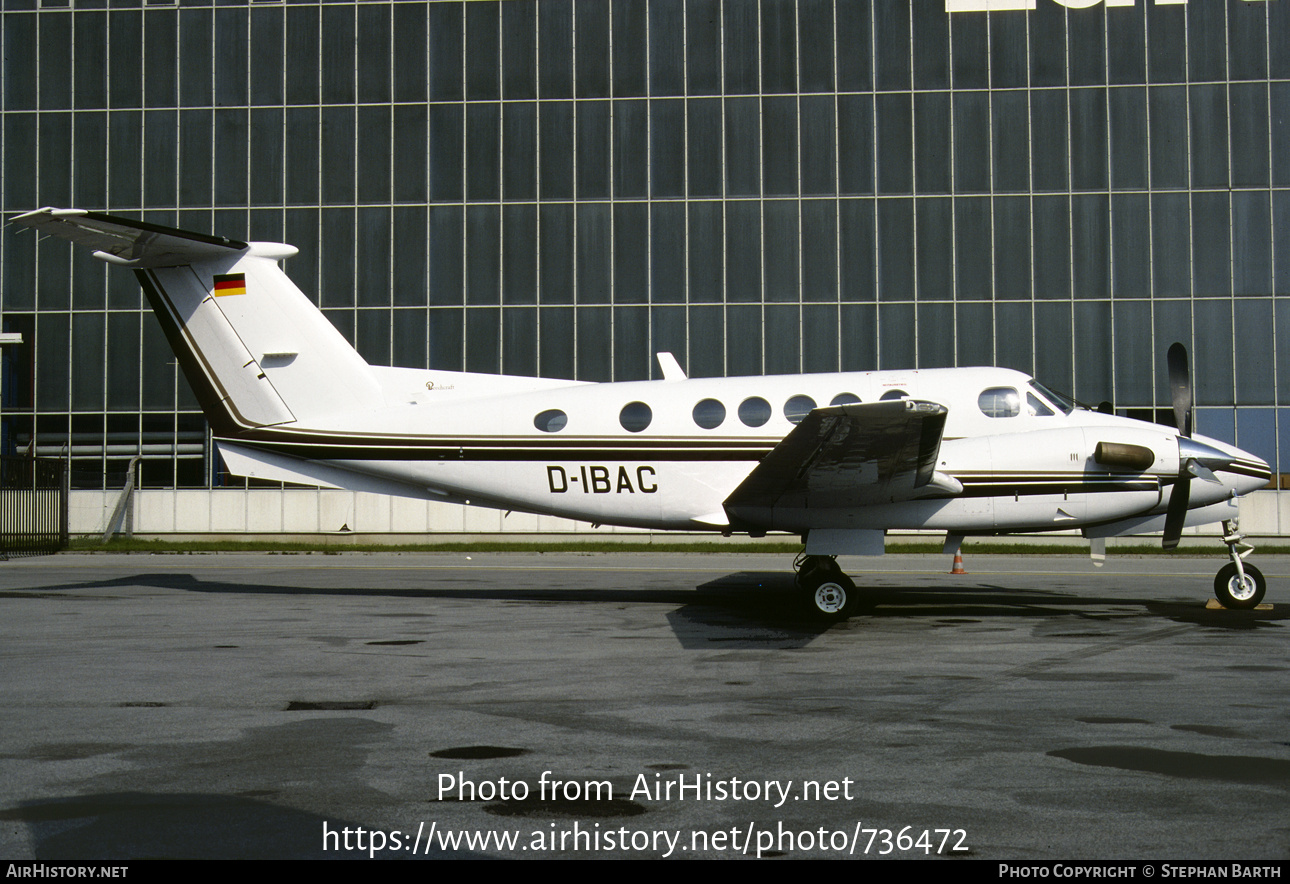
{"points": [[1176, 516], [1180, 387], [1200, 471]]}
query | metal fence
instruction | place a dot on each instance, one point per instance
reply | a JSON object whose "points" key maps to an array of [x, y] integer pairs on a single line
{"points": [[33, 505]]}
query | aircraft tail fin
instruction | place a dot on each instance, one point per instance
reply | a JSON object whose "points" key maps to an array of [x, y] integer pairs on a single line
{"points": [[255, 350]]}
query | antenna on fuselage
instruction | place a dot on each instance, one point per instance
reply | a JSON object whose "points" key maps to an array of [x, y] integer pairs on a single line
{"points": [[671, 369]]}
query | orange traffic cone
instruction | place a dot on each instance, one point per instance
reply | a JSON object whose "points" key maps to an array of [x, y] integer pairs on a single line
{"points": [[958, 563]]}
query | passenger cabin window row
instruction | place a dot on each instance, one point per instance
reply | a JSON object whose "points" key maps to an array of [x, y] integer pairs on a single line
{"points": [[755, 411], [708, 413]]}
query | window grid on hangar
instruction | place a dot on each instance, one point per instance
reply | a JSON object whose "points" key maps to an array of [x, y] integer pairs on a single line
{"points": [[566, 188]]}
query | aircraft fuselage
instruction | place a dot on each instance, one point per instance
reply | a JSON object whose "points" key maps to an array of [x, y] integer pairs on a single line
{"points": [[1035, 469]]}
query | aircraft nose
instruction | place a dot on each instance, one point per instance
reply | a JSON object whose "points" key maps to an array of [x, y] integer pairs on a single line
{"points": [[1245, 472], [1221, 464], [1261, 472]]}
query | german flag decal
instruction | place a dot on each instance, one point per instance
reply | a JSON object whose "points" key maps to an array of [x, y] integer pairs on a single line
{"points": [[230, 284]]}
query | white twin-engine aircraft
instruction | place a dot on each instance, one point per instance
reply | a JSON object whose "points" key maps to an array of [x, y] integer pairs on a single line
{"points": [[837, 458]]}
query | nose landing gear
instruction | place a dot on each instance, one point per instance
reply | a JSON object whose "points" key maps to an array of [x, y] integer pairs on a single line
{"points": [[1238, 584]]}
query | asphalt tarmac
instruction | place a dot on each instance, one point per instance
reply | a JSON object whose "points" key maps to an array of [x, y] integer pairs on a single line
{"points": [[637, 705]]}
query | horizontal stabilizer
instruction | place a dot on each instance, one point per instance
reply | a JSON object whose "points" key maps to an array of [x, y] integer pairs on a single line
{"points": [[246, 460], [127, 242]]}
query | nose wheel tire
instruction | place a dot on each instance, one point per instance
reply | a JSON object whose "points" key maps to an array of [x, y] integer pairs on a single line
{"points": [[1231, 592]]}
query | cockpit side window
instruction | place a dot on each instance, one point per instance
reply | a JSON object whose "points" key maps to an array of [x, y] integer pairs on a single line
{"points": [[999, 402], [1036, 407], [1064, 403]]}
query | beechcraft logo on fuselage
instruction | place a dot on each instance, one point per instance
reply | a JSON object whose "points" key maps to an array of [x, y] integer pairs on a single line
{"points": [[600, 479], [1027, 5]]}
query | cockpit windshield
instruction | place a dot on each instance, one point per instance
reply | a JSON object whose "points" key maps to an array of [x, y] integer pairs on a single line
{"points": [[1064, 403]]}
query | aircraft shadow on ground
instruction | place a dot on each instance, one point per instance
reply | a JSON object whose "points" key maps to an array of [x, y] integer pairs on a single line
{"points": [[754, 609]]}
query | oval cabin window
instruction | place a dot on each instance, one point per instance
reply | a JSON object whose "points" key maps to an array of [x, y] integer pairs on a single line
{"points": [[754, 411], [551, 421], [635, 416], [709, 414], [797, 408]]}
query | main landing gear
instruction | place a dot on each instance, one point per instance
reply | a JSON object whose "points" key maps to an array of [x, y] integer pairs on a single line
{"points": [[1238, 585], [828, 594]]}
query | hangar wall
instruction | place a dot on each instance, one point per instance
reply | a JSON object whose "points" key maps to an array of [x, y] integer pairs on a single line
{"points": [[565, 187]]}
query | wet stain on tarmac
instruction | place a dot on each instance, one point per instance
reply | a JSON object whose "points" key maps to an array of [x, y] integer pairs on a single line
{"points": [[478, 752], [1208, 730], [1108, 677], [330, 705], [138, 812], [1256, 667], [1248, 769], [70, 751], [138, 825], [33, 594]]}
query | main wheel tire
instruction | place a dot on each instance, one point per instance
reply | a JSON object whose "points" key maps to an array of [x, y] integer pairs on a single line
{"points": [[829, 597], [1230, 592]]}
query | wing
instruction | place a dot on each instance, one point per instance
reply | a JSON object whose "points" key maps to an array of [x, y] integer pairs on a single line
{"points": [[848, 456], [128, 242]]}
